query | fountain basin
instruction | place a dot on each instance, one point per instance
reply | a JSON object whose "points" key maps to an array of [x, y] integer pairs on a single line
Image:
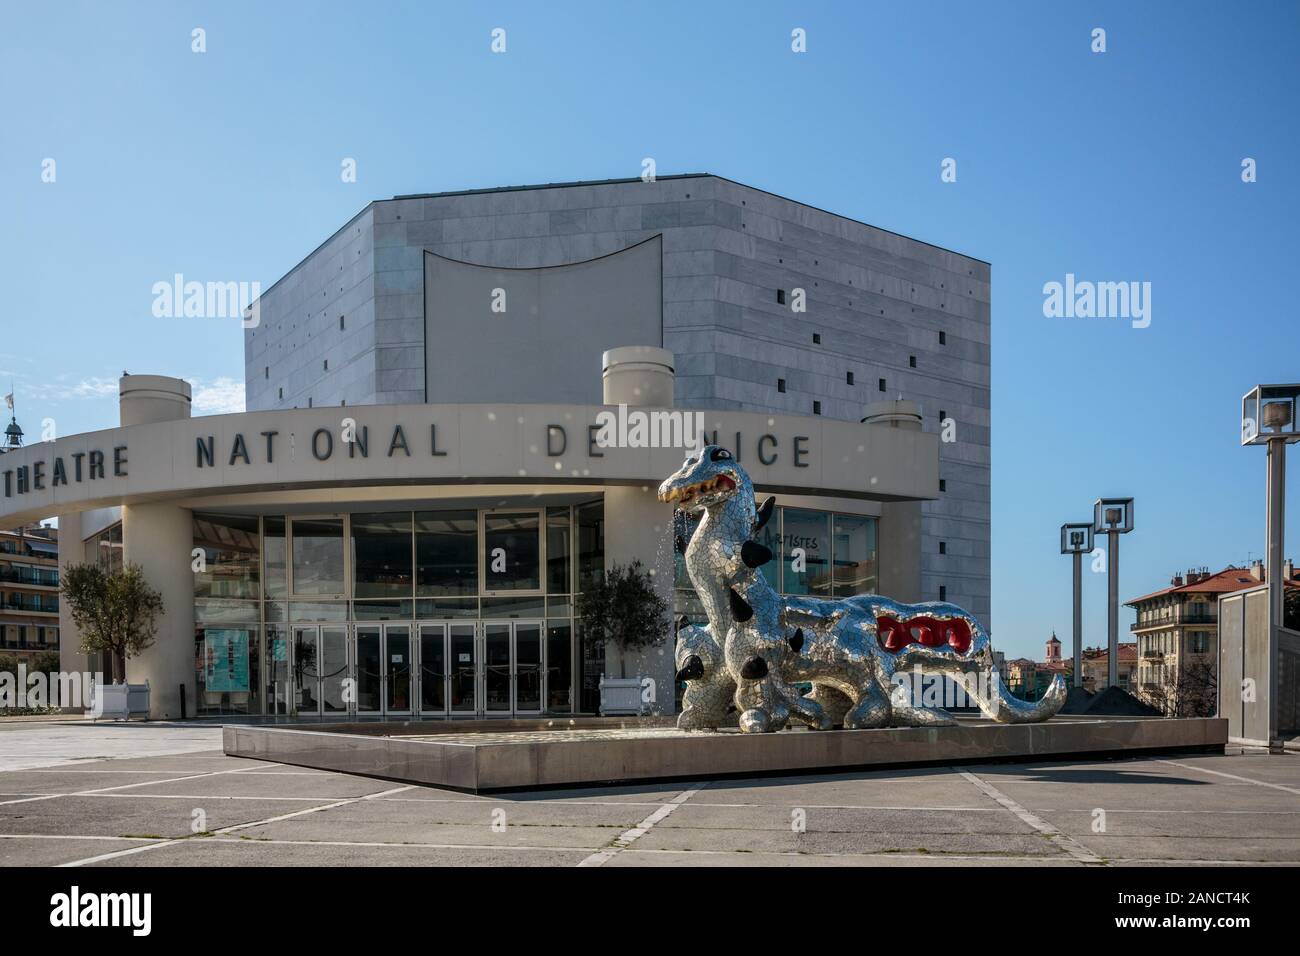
{"points": [[498, 755]]}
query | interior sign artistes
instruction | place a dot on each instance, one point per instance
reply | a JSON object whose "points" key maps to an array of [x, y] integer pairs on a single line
{"points": [[744, 665]]}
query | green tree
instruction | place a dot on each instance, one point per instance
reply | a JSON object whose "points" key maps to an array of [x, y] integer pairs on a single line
{"points": [[116, 611], [624, 609]]}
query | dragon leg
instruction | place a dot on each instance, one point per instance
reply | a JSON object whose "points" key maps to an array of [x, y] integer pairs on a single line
{"points": [[872, 709], [804, 709], [834, 703]]}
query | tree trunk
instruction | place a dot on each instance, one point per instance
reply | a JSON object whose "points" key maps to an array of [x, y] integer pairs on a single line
{"points": [[119, 665]]}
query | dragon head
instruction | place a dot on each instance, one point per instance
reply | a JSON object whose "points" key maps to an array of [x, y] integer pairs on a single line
{"points": [[706, 478]]}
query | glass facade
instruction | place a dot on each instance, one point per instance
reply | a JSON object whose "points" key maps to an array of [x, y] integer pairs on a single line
{"points": [[317, 566], [430, 613], [446, 553], [512, 552]]}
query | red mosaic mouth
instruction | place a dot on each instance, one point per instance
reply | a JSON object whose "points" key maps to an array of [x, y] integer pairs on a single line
{"points": [[894, 635], [685, 495]]}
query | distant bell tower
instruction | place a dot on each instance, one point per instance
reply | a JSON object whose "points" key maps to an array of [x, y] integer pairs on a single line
{"points": [[13, 434], [1053, 649]]}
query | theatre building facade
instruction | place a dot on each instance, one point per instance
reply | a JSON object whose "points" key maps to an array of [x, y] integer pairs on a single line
{"points": [[437, 462]]}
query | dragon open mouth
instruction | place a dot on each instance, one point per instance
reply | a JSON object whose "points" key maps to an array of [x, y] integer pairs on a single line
{"points": [[690, 492]]}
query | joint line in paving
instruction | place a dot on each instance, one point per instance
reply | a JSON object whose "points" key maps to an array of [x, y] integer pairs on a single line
{"points": [[1233, 776], [236, 827], [1075, 849], [628, 837]]}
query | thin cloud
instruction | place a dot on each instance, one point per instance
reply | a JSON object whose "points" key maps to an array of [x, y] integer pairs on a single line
{"points": [[221, 396]]}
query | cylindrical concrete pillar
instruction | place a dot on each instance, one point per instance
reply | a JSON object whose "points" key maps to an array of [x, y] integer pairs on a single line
{"points": [[639, 527], [638, 375], [158, 537], [899, 540], [152, 398], [892, 413], [71, 551]]}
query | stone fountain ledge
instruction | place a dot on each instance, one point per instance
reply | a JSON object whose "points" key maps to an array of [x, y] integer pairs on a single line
{"points": [[486, 756]]}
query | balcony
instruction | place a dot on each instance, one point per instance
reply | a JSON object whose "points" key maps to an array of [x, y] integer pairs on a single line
{"points": [[1175, 619], [39, 578], [30, 607]]}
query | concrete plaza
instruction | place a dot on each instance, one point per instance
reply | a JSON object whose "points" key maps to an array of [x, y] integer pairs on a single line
{"points": [[72, 793]]}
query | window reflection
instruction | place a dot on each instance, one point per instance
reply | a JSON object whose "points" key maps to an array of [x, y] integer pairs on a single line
{"points": [[230, 556], [275, 558], [381, 555], [591, 543], [855, 555], [806, 552], [446, 553], [558, 550], [511, 552], [318, 556]]}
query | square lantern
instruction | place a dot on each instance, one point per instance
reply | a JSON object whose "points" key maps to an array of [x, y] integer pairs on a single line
{"points": [[1076, 538], [1112, 514], [1269, 411]]}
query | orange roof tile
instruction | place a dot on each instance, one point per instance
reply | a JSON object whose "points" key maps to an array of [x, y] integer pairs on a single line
{"points": [[1228, 580]]}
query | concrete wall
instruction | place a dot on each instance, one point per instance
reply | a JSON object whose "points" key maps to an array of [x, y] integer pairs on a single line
{"points": [[875, 299], [556, 325], [1259, 694], [299, 329]]}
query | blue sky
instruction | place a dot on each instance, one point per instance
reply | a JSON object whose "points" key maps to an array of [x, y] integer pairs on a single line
{"points": [[1117, 166]]}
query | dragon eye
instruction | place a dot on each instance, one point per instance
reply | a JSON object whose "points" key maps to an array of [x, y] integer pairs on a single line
{"points": [[720, 454]]}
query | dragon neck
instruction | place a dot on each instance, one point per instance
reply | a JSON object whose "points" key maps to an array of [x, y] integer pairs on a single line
{"points": [[713, 557]]}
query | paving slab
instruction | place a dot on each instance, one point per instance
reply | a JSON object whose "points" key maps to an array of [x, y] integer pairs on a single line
{"points": [[239, 783], [97, 816], [813, 841], [60, 743], [236, 852], [634, 857], [1242, 849], [851, 821], [44, 851]]}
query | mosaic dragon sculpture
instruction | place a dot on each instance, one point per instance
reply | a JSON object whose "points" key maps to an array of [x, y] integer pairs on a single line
{"points": [[742, 667]]}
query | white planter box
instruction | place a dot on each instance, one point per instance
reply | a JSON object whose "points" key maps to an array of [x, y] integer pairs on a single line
{"points": [[621, 696], [121, 701]]}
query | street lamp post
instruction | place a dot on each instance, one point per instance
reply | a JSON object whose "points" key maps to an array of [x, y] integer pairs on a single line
{"points": [[1268, 417], [1113, 517], [1076, 540]]}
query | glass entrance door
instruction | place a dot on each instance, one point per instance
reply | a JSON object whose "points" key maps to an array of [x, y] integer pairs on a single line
{"points": [[513, 670], [319, 666], [397, 668], [333, 668], [431, 669], [528, 667], [462, 663], [496, 668], [368, 668]]}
